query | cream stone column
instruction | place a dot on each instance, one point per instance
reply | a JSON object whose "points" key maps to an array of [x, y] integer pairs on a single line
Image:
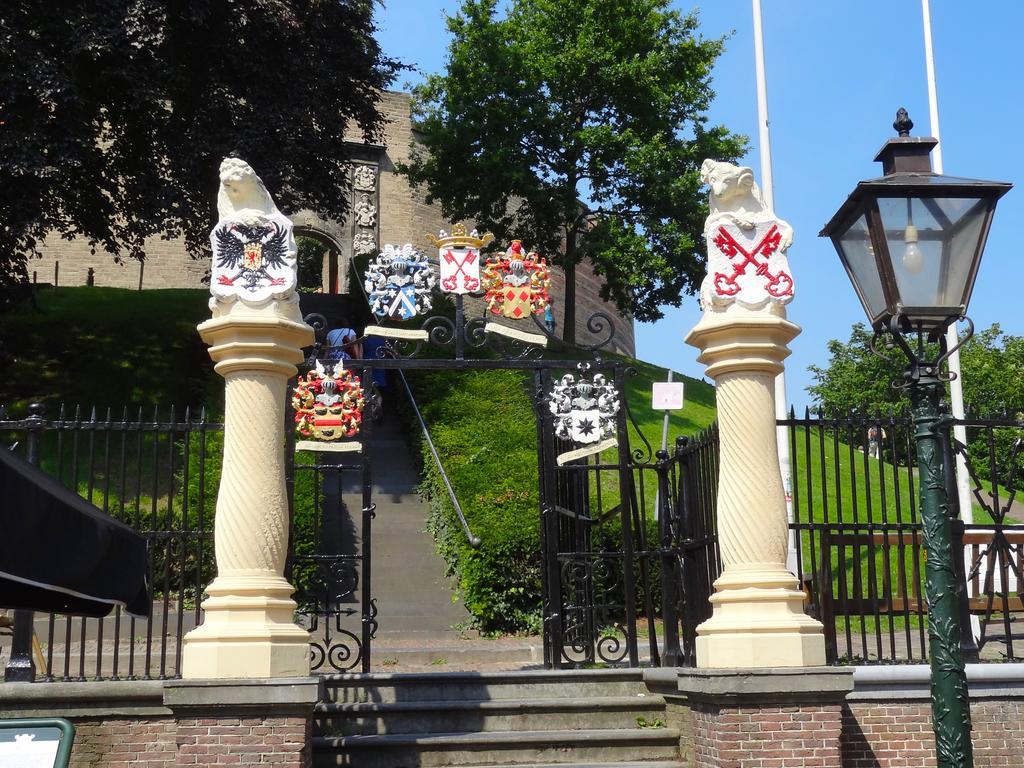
{"points": [[758, 618], [255, 338]]}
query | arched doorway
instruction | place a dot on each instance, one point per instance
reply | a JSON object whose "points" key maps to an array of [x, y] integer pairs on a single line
{"points": [[322, 263]]}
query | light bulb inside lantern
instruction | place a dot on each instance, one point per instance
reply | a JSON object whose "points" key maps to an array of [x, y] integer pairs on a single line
{"points": [[913, 260]]}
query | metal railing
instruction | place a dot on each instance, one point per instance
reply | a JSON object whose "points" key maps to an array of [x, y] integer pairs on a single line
{"points": [[860, 549], [156, 470], [687, 527], [471, 538]]}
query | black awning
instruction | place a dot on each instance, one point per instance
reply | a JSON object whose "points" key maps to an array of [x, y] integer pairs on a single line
{"points": [[60, 553]]}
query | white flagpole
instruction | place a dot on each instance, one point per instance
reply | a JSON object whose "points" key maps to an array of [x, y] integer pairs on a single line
{"points": [[768, 191], [956, 386]]}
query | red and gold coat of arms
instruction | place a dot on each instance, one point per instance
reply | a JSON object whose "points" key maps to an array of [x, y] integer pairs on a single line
{"points": [[517, 283], [328, 406]]}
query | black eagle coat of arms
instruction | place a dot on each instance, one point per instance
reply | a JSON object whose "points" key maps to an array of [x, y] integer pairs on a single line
{"points": [[251, 257]]}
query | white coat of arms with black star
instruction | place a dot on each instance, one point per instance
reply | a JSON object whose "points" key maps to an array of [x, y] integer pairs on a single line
{"points": [[584, 410]]}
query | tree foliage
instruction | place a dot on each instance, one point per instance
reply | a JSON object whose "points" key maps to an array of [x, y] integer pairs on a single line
{"points": [[992, 365], [115, 114], [579, 126], [856, 379]]}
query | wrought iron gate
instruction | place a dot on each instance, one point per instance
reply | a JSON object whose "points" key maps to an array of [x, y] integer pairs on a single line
{"points": [[331, 535], [629, 548]]}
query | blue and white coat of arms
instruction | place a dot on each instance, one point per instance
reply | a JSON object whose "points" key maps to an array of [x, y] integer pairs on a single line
{"points": [[399, 282]]}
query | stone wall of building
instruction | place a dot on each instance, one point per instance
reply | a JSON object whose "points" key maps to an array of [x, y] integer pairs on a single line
{"points": [[402, 215]]}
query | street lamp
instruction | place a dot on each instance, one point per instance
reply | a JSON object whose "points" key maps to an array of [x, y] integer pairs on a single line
{"points": [[911, 242]]}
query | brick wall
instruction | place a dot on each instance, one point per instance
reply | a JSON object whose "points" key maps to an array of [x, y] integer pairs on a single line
{"points": [[806, 736], [892, 734], [124, 743], [280, 741], [191, 741], [175, 723]]}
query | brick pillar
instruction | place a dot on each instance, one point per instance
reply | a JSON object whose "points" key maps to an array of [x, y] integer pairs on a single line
{"points": [[221, 722], [759, 718]]}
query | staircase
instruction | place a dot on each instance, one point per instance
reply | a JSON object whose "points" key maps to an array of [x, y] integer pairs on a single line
{"points": [[582, 718]]}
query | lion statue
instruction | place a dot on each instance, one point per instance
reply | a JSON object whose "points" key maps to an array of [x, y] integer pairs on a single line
{"points": [[746, 242], [242, 195], [254, 251]]}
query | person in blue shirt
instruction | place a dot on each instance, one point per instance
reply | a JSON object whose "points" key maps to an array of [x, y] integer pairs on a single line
{"points": [[371, 351], [341, 344]]}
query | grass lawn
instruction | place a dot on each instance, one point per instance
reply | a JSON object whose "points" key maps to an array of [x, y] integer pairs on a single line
{"points": [[484, 427], [108, 347], [838, 483]]}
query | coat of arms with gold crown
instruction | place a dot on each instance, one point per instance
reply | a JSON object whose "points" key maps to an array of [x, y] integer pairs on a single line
{"points": [[458, 256], [328, 406], [516, 283]]}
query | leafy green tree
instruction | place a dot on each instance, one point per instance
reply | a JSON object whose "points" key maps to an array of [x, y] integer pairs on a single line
{"points": [[579, 126], [115, 115], [856, 379], [310, 264], [992, 363]]}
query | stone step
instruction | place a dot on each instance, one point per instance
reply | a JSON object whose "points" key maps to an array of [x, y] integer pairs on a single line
{"points": [[601, 764], [432, 649], [408, 717], [481, 686], [612, 746]]}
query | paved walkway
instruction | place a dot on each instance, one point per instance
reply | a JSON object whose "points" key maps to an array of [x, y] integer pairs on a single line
{"points": [[415, 599]]}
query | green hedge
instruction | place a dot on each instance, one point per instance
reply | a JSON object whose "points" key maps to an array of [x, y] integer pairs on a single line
{"points": [[484, 428]]}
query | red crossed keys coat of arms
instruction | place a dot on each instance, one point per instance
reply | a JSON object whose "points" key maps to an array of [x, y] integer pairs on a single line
{"points": [[458, 258], [746, 263]]}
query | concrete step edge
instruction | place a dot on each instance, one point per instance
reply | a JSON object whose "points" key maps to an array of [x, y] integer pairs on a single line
{"points": [[602, 764], [507, 739], [345, 680], [626, 703]]}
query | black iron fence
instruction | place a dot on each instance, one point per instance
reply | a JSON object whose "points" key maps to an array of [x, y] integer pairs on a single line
{"points": [[687, 528], [634, 556], [859, 545], [156, 470]]}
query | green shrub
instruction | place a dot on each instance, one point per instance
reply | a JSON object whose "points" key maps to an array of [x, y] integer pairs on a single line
{"points": [[484, 427]]}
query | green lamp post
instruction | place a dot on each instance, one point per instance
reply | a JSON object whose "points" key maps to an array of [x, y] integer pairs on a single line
{"points": [[911, 242]]}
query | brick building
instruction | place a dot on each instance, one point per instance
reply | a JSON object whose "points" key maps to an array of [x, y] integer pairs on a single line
{"points": [[384, 209]]}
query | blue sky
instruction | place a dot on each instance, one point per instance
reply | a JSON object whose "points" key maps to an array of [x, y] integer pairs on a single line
{"points": [[837, 72]]}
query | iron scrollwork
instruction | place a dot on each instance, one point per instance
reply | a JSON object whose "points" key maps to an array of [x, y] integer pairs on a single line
{"points": [[332, 580]]}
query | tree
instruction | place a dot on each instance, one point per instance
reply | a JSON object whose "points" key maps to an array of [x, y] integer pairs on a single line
{"points": [[856, 379], [578, 126], [992, 363], [115, 115], [993, 375]]}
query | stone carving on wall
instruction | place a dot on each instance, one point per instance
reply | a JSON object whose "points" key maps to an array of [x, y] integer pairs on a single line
{"points": [[365, 212], [746, 241], [254, 249], [364, 178], [364, 243]]}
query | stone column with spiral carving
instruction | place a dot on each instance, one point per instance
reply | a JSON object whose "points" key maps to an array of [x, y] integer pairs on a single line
{"points": [[758, 618], [255, 337]]}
